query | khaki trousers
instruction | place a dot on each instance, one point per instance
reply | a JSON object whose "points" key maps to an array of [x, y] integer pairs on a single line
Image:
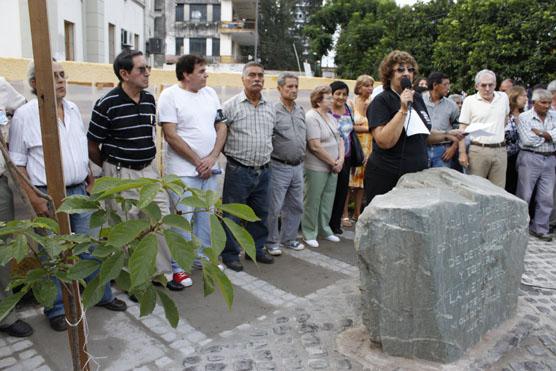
{"points": [[489, 163]]}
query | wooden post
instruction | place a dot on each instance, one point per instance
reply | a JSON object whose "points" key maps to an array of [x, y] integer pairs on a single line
{"points": [[46, 96]]}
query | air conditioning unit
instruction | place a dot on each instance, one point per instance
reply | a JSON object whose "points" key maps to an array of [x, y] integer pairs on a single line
{"points": [[126, 38]]}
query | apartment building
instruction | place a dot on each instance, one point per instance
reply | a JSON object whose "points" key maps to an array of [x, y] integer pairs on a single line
{"points": [[80, 30]]}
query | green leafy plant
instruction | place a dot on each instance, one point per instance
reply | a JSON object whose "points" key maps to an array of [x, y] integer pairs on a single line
{"points": [[125, 249]]}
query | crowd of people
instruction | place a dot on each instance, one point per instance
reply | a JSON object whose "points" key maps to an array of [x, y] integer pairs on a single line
{"points": [[297, 170]]}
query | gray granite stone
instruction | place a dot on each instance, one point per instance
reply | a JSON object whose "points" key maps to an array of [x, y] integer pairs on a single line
{"points": [[441, 258]]}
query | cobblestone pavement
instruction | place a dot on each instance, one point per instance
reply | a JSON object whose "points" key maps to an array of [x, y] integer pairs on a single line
{"points": [[295, 328]]}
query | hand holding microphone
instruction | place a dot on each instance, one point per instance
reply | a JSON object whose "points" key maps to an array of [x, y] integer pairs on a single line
{"points": [[407, 93]]}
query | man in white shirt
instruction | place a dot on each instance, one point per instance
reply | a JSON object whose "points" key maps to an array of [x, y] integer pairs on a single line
{"points": [[194, 128], [487, 109], [26, 152], [10, 100]]}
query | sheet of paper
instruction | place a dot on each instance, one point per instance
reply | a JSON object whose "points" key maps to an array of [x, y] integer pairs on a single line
{"points": [[479, 129], [414, 125]]}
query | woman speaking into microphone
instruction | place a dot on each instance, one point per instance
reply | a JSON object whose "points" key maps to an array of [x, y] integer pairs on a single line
{"points": [[400, 126]]}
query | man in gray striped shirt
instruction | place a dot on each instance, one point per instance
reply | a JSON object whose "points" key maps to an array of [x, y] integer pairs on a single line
{"points": [[248, 148]]}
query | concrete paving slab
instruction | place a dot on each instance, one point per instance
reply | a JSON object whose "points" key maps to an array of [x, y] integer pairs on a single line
{"points": [[293, 275]]}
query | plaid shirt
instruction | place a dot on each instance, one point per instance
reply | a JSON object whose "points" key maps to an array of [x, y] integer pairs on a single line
{"points": [[528, 139]]}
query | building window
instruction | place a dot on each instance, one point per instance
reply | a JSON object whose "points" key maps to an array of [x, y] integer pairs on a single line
{"points": [[136, 42], [216, 13], [158, 5], [69, 41], [179, 46], [198, 46], [198, 12], [159, 26], [111, 42], [216, 47], [179, 13]]}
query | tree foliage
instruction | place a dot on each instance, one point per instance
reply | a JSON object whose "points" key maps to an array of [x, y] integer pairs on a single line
{"points": [[514, 38], [125, 249]]}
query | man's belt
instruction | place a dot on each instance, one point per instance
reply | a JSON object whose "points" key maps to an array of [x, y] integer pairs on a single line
{"points": [[489, 145], [128, 165], [545, 154], [236, 162], [285, 162], [446, 143]]}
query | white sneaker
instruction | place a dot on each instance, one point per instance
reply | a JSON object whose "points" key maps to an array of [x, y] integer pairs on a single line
{"points": [[312, 243], [274, 250], [333, 238]]}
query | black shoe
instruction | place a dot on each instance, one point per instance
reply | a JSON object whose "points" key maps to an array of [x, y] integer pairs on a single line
{"points": [[542, 237], [264, 258], [234, 265], [337, 230], [18, 329], [58, 323], [133, 298], [115, 305], [174, 286]]}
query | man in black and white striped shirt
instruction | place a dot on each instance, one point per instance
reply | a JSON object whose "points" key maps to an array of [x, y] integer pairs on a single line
{"points": [[122, 138]]}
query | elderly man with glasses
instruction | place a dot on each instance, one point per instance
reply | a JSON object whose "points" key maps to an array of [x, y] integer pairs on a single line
{"points": [[536, 162], [486, 110]]}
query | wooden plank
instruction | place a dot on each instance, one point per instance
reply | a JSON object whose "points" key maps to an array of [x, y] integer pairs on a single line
{"points": [[46, 96]]}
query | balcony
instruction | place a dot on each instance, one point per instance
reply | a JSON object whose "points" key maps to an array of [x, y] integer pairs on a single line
{"points": [[239, 26]]}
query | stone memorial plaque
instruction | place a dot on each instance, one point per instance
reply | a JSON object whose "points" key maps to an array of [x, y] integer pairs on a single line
{"points": [[441, 259]]}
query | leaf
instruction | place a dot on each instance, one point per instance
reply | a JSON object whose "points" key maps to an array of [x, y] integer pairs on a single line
{"points": [[35, 275], [147, 301], [45, 292], [241, 211], [78, 204], [111, 267], [176, 188], [125, 232], [170, 309], [8, 303], [221, 280], [123, 281], [113, 217], [208, 283], [212, 198], [142, 261], [83, 269], [182, 250], [19, 247], [242, 237], [147, 194], [113, 185], [102, 251], [98, 218], [52, 247], [93, 293], [76, 238], [46, 223], [217, 234], [194, 201], [153, 211], [177, 221]]}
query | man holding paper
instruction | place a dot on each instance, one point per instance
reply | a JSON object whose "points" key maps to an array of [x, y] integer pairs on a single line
{"points": [[483, 115]]}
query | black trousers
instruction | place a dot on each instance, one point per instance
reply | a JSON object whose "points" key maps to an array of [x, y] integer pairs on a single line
{"points": [[511, 174], [342, 188], [378, 182]]}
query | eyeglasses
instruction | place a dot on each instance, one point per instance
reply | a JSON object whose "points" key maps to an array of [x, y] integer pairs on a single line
{"points": [[60, 75], [403, 69], [144, 69], [486, 85]]}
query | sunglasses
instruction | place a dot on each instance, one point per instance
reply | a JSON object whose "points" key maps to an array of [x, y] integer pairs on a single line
{"points": [[60, 75], [144, 69], [403, 69]]}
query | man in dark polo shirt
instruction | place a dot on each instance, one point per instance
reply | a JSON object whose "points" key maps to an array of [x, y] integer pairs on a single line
{"points": [[286, 182], [121, 138]]}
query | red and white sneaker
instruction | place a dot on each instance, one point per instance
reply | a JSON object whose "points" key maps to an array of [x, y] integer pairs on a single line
{"points": [[183, 279]]}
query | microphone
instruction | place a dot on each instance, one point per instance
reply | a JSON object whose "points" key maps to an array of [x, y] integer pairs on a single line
{"points": [[406, 84]]}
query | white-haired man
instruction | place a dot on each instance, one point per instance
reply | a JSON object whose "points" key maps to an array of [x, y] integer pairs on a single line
{"points": [[486, 110], [536, 162]]}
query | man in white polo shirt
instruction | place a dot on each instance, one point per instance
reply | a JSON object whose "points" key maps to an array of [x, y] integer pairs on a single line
{"points": [[487, 109], [193, 125]]}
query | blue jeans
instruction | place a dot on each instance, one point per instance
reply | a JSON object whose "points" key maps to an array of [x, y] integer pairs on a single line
{"points": [[251, 187], [435, 156], [201, 220], [79, 225]]}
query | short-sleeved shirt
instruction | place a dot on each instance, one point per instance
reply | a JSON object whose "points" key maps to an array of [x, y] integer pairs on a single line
{"points": [[475, 109], [125, 129], [289, 138], [345, 127], [409, 152], [26, 148], [444, 114], [250, 128], [329, 136], [194, 115], [10, 100]]}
